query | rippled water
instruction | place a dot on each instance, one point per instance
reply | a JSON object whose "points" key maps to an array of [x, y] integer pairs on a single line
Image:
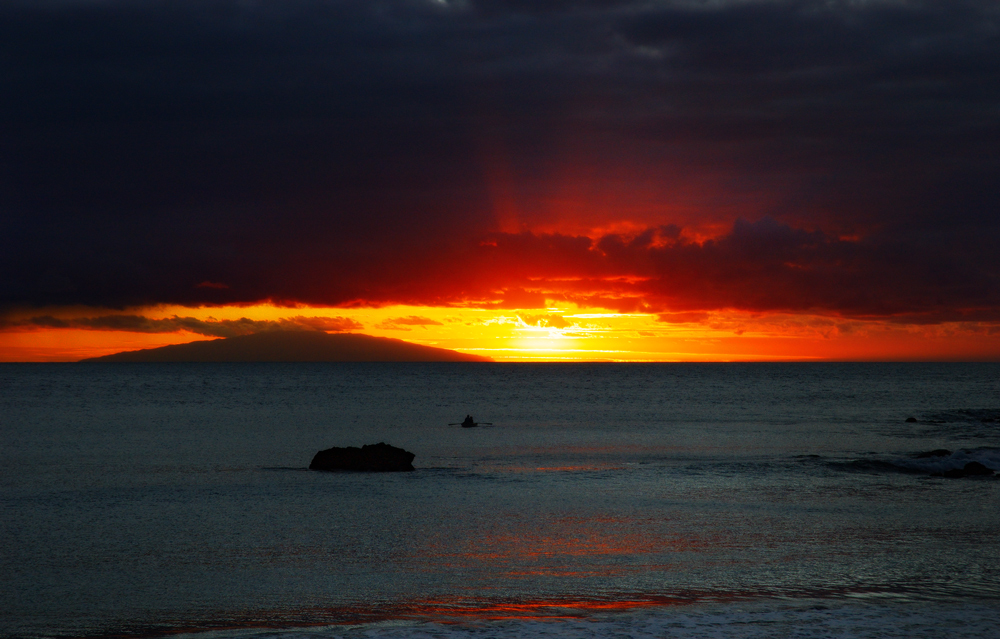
{"points": [[637, 500]]}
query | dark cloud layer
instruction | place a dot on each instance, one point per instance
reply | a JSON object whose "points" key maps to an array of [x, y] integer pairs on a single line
{"points": [[351, 152], [214, 328]]}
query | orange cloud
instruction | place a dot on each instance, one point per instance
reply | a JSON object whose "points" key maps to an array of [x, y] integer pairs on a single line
{"points": [[682, 318], [401, 323], [545, 320]]}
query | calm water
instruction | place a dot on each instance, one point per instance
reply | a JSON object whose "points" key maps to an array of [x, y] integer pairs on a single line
{"points": [[607, 500]]}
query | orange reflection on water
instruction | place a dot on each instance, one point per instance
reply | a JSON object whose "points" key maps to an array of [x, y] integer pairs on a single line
{"points": [[444, 611], [565, 469], [569, 547], [599, 571]]}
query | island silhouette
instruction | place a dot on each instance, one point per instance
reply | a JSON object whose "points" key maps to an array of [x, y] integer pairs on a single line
{"points": [[294, 346]]}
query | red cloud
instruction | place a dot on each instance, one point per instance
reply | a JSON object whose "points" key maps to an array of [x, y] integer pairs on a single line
{"points": [[760, 266]]}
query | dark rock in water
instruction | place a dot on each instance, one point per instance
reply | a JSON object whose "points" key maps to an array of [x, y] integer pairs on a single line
{"points": [[940, 452], [972, 469], [911, 420], [975, 468], [380, 457]]}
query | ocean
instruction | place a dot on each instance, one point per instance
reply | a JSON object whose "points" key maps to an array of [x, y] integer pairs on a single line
{"points": [[605, 500]]}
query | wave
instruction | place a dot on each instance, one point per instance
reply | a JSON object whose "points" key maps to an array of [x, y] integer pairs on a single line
{"points": [[965, 423], [966, 415], [862, 619], [939, 462]]}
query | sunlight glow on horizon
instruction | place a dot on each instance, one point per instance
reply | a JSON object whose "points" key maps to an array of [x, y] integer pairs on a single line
{"points": [[556, 333]]}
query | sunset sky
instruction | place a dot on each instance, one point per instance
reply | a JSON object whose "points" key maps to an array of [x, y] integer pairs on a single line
{"points": [[624, 180]]}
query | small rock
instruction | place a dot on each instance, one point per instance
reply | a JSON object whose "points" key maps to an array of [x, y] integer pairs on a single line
{"points": [[972, 469], [911, 420], [975, 468]]}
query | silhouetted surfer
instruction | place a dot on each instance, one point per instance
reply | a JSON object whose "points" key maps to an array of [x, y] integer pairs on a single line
{"points": [[468, 422]]}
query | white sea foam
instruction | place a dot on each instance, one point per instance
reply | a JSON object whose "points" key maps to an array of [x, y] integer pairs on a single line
{"points": [[750, 621]]}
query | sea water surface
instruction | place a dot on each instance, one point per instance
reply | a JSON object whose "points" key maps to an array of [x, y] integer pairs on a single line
{"points": [[666, 500]]}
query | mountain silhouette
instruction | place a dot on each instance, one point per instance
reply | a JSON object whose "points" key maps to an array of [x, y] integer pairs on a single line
{"points": [[294, 346]]}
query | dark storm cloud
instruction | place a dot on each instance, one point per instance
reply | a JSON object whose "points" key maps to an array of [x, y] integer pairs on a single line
{"points": [[348, 152]]}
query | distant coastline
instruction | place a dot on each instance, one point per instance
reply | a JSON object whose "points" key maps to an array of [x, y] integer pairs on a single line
{"points": [[294, 346]]}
